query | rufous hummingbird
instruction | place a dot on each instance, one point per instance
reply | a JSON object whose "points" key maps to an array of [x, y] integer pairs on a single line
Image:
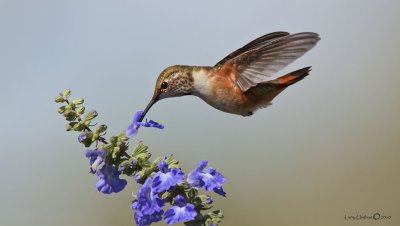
{"points": [[243, 81]]}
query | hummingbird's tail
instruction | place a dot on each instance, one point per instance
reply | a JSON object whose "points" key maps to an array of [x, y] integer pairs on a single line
{"points": [[292, 77]]}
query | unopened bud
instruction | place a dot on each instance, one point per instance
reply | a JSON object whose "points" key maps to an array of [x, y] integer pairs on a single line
{"points": [[78, 101], [91, 115], [80, 110], [59, 99], [66, 93]]}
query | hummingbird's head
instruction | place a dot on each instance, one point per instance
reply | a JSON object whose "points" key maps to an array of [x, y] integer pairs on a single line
{"points": [[173, 81]]}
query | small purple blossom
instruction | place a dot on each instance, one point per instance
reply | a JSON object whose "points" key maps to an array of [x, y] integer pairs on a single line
{"points": [[96, 158], [145, 220], [148, 200], [166, 177], [207, 178], [209, 200], [109, 180], [134, 126], [181, 211], [82, 137], [137, 178]]}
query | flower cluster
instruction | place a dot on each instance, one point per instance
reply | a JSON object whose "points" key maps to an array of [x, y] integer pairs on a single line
{"points": [[165, 191], [169, 185]]}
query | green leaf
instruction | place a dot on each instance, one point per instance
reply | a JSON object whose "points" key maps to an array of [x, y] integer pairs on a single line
{"points": [[140, 148], [101, 129], [172, 162]]}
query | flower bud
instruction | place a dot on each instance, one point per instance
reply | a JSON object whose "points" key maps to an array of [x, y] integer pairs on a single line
{"points": [[101, 129], [91, 115], [59, 99], [66, 94], [78, 101], [80, 110]]}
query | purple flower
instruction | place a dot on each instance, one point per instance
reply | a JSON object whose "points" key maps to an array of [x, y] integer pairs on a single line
{"points": [[207, 178], [148, 206], [145, 220], [209, 200], [96, 158], [109, 180], [166, 177], [82, 137], [134, 126], [181, 211]]}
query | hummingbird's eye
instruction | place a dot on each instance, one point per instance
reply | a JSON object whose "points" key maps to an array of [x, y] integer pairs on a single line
{"points": [[164, 85]]}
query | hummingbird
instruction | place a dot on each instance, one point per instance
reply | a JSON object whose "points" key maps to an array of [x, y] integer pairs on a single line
{"points": [[245, 80]]}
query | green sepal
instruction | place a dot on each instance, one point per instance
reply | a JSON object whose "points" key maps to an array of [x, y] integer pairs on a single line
{"points": [[192, 193], [61, 109], [116, 152], [70, 115], [122, 137], [95, 137], [172, 162], [139, 148], [201, 202], [184, 185], [199, 220], [88, 140], [113, 140], [166, 195], [79, 126], [69, 126], [100, 129], [154, 165], [216, 216]]}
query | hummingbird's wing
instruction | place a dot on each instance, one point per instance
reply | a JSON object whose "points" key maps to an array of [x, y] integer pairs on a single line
{"points": [[261, 41], [259, 60]]}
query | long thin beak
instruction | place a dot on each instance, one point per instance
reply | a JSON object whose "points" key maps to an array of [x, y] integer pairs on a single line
{"points": [[152, 101]]}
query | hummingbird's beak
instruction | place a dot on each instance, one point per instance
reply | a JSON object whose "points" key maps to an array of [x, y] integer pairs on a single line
{"points": [[152, 101]]}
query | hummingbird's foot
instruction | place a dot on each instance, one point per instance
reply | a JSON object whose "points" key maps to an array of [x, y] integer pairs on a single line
{"points": [[250, 113]]}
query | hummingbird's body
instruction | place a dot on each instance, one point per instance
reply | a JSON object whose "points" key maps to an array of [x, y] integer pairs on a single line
{"points": [[241, 82]]}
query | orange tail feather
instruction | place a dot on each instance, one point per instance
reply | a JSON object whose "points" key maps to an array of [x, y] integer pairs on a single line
{"points": [[292, 77]]}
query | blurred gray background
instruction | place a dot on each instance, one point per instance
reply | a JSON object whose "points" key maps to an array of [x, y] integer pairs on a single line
{"points": [[328, 147]]}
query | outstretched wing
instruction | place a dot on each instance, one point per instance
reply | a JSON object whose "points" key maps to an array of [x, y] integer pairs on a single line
{"points": [[257, 61], [261, 41]]}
